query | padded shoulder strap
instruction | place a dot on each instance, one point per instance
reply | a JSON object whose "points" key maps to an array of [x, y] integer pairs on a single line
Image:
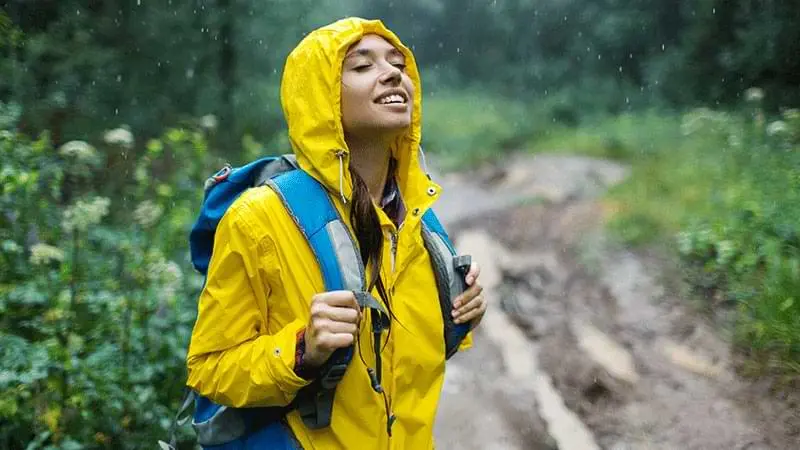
{"points": [[311, 208], [450, 270]]}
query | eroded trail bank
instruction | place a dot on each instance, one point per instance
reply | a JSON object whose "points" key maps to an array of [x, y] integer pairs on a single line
{"points": [[583, 347]]}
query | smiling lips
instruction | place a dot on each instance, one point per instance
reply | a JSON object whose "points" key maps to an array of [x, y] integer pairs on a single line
{"points": [[392, 98]]}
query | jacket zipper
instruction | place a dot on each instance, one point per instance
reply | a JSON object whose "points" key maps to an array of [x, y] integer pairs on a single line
{"points": [[393, 238]]}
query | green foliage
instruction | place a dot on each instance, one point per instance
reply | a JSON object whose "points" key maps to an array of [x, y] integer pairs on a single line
{"points": [[467, 127], [97, 296], [728, 187], [623, 137]]}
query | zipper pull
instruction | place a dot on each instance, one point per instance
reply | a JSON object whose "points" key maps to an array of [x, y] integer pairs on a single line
{"points": [[389, 423], [393, 239]]}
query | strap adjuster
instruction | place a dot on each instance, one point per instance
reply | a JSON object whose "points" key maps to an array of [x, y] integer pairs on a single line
{"points": [[332, 376]]}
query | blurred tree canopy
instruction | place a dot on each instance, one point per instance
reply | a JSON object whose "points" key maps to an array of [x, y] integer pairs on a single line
{"points": [[73, 65]]}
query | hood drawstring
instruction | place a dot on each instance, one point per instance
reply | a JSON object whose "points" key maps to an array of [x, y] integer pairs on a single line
{"points": [[424, 164], [340, 154]]}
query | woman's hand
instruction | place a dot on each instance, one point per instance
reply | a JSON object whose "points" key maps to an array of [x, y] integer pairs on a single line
{"points": [[334, 323], [471, 304]]}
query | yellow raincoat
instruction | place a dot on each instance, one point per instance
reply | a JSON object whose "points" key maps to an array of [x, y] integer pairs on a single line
{"points": [[263, 275]]}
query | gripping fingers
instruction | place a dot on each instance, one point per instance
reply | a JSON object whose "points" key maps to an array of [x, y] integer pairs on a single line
{"points": [[332, 341], [471, 310], [473, 274], [467, 296], [336, 327]]}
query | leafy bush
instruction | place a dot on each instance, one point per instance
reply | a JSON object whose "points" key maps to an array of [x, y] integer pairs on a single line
{"points": [[97, 294], [729, 188]]}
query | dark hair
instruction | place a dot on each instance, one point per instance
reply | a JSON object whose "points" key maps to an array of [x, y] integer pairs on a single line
{"points": [[367, 228]]}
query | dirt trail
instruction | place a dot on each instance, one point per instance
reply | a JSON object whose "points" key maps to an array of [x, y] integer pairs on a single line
{"points": [[583, 348]]}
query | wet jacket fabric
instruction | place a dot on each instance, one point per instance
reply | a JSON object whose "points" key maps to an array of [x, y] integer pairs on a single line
{"points": [[263, 275]]}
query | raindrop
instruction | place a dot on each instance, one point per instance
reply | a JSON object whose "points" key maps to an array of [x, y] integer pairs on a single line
{"points": [[458, 49], [663, 47], [116, 111], [713, 10], [599, 56], [138, 2], [119, 78], [620, 69], [627, 100], [78, 12]]}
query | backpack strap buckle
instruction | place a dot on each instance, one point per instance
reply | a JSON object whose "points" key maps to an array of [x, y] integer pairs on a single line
{"points": [[332, 376]]}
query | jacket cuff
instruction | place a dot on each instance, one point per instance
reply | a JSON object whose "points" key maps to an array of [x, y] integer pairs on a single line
{"points": [[283, 360], [301, 368]]}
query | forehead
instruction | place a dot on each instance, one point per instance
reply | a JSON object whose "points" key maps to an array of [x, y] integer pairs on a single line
{"points": [[372, 44]]}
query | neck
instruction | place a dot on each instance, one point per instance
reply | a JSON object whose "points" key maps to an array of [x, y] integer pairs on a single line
{"points": [[370, 159]]}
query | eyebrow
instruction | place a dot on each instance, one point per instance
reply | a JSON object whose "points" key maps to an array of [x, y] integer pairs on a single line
{"points": [[368, 52]]}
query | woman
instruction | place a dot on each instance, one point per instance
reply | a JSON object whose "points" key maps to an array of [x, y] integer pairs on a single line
{"points": [[351, 97]]}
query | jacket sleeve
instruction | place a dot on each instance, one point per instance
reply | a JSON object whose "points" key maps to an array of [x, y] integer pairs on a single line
{"points": [[232, 359]]}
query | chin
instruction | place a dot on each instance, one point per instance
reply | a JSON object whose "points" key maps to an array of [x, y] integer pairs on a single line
{"points": [[394, 124]]}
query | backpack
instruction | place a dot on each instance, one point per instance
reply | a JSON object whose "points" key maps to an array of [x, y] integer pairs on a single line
{"points": [[219, 427]]}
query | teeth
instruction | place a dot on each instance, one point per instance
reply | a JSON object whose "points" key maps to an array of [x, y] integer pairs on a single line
{"points": [[394, 98]]}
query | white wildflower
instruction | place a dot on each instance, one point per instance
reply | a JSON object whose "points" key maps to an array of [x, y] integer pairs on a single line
{"points": [[685, 243], [209, 122], [147, 213], [791, 114], [119, 136], [83, 214], [726, 250], [79, 150], [43, 254], [735, 139], [165, 273], [777, 127], [754, 94], [172, 274]]}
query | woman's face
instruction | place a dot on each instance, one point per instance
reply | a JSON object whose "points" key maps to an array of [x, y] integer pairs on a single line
{"points": [[377, 94]]}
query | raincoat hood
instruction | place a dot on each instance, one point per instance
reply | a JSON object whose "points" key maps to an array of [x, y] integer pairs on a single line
{"points": [[311, 101]]}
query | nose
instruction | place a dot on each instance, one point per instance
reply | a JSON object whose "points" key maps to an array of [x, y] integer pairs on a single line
{"points": [[392, 76]]}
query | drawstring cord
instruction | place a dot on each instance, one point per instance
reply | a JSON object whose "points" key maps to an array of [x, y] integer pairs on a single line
{"points": [[424, 163], [340, 154], [375, 374]]}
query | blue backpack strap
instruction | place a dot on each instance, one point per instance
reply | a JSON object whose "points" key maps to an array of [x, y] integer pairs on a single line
{"points": [[450, 270], [308, 203]]}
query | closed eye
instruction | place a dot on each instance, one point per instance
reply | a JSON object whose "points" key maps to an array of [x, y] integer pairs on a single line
{"points": [[362, 67], [401, 66]]}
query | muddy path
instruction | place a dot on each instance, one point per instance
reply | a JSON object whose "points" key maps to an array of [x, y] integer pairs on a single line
{"points": [[584, 346]]}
